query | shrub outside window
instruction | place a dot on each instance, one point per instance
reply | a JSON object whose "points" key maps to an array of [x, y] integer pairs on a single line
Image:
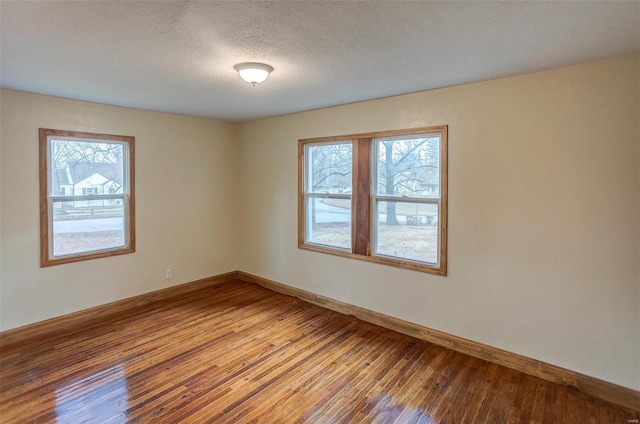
{"points": [[86, 196], [379, 197]]}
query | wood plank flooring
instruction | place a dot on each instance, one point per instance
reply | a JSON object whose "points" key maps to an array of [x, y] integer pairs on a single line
{"points": [[239, 353]]}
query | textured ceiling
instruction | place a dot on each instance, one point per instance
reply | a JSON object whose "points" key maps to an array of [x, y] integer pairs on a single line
{"points": [[178, 56]]}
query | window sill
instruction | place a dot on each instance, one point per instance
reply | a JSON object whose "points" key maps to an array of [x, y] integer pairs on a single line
{"points": [[383, 260], [46, 261]]}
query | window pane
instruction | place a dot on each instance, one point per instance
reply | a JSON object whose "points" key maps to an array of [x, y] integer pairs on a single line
{"points": [[80, 168], [329, 222], [407, 230], [409, 166], [84, 226], [329, 167]]}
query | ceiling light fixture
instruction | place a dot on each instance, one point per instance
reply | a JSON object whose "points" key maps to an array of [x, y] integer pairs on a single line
{"points": [[253, 73]]}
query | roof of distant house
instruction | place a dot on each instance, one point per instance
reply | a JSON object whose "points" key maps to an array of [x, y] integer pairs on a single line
{"points": [[82, 170]]}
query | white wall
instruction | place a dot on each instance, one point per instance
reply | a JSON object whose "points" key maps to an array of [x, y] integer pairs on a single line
{"points": [[544, 232], [186, 206]]}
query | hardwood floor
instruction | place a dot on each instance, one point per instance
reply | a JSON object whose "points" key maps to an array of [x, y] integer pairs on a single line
{"points": [[239, 353]]}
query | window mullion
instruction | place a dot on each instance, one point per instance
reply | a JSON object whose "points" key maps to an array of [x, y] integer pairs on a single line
{"points": [[362, 209]]}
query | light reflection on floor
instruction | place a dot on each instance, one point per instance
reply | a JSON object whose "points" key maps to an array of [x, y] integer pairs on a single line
{"points": [[98, 398]]}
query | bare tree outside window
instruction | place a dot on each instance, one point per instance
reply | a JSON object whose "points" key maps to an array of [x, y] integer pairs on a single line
{"points": [[380, 197], [408, 167], [328, 198], [87, 199]]}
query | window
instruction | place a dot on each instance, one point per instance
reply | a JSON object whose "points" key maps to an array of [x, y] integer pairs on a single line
{"points": [[379, 197], [86, 196], [327, 196]]}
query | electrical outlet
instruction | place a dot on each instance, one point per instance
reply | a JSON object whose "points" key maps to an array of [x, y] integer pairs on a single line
{"points": [[168, 273]]}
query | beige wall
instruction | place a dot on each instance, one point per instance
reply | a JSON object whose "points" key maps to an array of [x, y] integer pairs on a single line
{"points": [[186, 206], [544, 204], [544, 200]]}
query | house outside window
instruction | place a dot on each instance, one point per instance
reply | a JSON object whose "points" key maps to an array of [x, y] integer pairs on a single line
{"points": [[86, 196], [379, 197]]}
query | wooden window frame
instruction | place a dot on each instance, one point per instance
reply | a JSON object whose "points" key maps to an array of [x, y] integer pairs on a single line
{"points": [[363, 197], [46, 198], [308, 193]]}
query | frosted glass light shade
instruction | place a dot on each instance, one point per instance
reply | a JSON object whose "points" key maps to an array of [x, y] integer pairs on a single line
{"points": [[253, 73]]}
